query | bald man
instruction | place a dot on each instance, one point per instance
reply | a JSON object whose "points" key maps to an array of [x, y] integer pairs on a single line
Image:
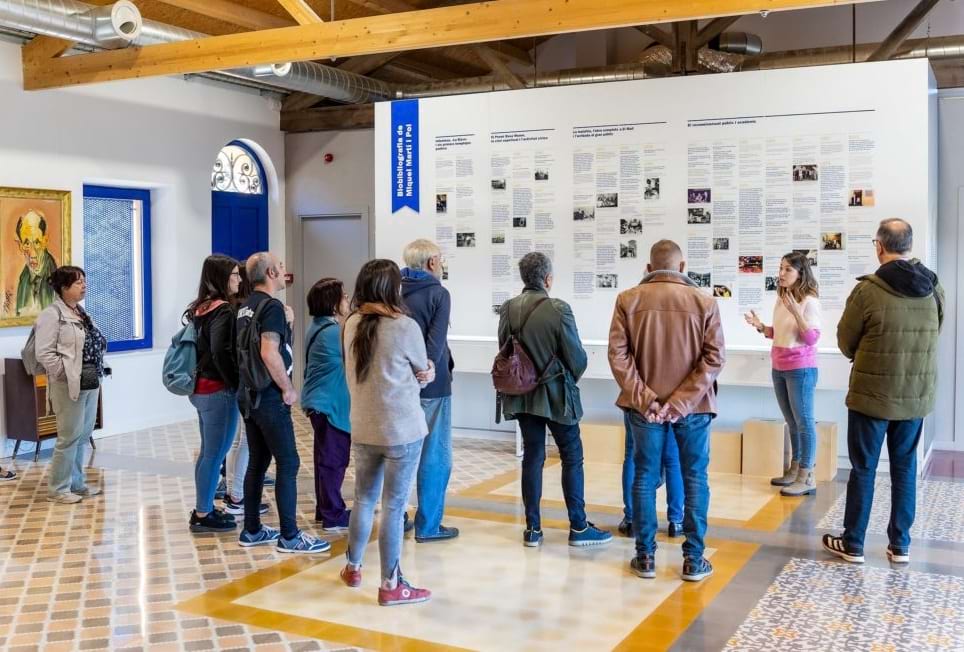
{"points": [[34, 292], [665, 352]]}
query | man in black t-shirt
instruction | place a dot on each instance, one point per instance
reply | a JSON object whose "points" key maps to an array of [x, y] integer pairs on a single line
{"points": [[270, 430]]}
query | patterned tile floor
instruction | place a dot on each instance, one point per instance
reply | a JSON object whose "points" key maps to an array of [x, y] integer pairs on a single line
{"points": [[108, 572], [940, 511], [870, 609]]}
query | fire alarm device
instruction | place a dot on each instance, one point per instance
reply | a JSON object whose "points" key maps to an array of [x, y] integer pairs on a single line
{"points": [[329, 158], [289, 278]]}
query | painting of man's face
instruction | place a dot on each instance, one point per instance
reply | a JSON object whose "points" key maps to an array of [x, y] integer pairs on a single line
{"points": [[34, 240]]}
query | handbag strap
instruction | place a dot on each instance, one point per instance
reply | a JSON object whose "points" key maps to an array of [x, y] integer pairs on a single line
{"points": [[528, 314]]}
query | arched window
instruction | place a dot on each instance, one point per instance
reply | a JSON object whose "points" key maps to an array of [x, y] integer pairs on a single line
{"points": [[237, 169]]}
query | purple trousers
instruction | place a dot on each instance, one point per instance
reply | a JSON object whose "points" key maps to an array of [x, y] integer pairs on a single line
{"points": [[332, 448]]}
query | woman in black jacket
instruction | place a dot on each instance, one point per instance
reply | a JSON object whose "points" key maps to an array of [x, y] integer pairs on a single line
{"points": [[215, 394]]}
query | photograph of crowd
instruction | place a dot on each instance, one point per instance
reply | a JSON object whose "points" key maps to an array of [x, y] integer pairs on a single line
{"points": [[698, 196], [770, 284], [697, 216], [805, 172], [702, 280], [542, 174], [581, 213], [465, 239], [652, 188], [751, 264], [832, 241], [627, 249], [721, 244], [607, 281], [442, 203], [607, 200], [722, 292], [498, 184], [633, 226]]}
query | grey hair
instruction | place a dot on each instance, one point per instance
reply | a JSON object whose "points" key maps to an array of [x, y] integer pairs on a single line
{"points": [[418, 252], [257, 267], [534, 268], [895, 235]]}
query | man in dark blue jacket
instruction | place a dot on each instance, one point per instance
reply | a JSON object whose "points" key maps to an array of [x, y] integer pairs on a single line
{"points": [[429, 304]]}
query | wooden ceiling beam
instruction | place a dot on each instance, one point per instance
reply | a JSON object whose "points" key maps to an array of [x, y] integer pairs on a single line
{"points": [[301, 11], [352, 116], [714, 29], [231, 13], [658, 34], [499, 67], [368, 63], [460, 25]]}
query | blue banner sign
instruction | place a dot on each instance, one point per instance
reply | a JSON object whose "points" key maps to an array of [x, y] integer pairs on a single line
{"points": [[405, 155]]}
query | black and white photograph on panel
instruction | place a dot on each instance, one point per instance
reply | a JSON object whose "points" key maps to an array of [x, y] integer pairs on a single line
{"points": [[465, 239], [519, 222], [771, 283], [498, 184], [628, 249], [583, 213], [607, 200], [811, 255], [805, 172], [607, 281], [442, 203], [702, 279], [652, 188], [632, 226], [721, 244], [698, 216], [542, 174]]}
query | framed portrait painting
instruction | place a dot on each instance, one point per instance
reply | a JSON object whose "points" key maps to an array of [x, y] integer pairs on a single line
{"points": [[34, 240]]}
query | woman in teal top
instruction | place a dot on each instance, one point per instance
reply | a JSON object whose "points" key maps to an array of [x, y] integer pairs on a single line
{"points": [[326, 402]]}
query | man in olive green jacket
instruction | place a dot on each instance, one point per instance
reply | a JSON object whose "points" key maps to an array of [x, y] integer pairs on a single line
{"points": [[547, 330], [889, 331]]}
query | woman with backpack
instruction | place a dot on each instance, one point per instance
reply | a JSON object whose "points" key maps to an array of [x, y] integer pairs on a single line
{"points": [[71, 349], [216, 387], [326, 401], [386, 366]]}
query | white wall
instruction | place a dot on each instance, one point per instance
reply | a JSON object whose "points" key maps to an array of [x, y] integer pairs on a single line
{"points": [[162, 134]]}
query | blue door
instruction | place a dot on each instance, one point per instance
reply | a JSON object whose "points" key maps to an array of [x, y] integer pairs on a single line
{"points": [[239, 203]]}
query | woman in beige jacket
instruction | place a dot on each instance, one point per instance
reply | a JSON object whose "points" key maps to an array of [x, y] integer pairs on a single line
{"points": [[71, 350]]}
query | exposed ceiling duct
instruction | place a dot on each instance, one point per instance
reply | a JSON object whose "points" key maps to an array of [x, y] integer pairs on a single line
{"points": [[121, 25]]}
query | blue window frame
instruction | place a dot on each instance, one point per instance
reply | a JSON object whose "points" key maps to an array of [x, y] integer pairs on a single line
{"points": [[117, 260]]}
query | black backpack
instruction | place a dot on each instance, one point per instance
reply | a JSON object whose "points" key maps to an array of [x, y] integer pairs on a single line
{"points": [[253, 374]]}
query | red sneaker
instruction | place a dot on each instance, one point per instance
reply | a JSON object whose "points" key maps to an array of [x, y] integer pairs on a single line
{"points": [[404, 593], [351, 576]]}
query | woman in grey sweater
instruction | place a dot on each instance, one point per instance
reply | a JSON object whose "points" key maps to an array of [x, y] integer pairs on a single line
{"points": [[386, 366]]}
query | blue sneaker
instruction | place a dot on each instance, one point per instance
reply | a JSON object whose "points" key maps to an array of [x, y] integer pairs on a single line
{"points": [[532, 538], [589, 536], [262, 537], [303, 543], [695, 570]]}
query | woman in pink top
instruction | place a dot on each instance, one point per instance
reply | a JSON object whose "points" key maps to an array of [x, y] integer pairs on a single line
{"points": [[795, 332]]}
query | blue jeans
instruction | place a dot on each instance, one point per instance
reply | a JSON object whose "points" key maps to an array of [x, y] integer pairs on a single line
{"points": [[217, 416], [692, 434], [672, 476], [794, 390], [435, 467], [375, 466], [533, 459], [271, 434], [865, 437], [75, 424]]}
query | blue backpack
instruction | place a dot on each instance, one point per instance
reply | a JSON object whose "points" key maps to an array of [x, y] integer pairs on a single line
{"points": [[179, 373]]}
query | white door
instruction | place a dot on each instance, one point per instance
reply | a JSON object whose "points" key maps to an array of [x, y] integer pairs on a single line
{"points": [[332, 246]]}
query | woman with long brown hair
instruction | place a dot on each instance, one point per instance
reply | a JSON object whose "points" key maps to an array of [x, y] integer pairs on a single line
{"points": [[795, 333], [386, 366]]}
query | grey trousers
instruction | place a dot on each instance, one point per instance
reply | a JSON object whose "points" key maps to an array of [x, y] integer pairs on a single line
{"points": [[75, 423]]}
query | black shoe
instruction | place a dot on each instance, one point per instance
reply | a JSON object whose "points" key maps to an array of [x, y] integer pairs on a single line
{"points": [[695, 570], [674, 530], [643, 566], [625, 527], [443, 534], [835, 546], [221, 490], [211, 522], [409, 524], [237, 507]]}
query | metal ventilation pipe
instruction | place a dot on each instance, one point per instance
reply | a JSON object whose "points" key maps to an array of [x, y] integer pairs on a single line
{"points": [[113, 26], [738, 43]]}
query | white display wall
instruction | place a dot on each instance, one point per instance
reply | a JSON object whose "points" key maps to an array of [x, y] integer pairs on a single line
{"points": [[738, 169]]}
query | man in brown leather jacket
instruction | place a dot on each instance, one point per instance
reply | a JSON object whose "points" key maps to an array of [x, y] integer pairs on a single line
{"points": [[665, 351]]}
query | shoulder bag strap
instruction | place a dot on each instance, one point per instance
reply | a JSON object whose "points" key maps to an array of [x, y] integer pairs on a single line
{"points": [[528, 314], [312, 341]]}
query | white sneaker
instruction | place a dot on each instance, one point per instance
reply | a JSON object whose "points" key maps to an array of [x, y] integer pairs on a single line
{"points": [[65, 498]]}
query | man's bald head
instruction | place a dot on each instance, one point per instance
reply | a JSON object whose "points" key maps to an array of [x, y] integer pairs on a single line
{"points": [[666, 255]]}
